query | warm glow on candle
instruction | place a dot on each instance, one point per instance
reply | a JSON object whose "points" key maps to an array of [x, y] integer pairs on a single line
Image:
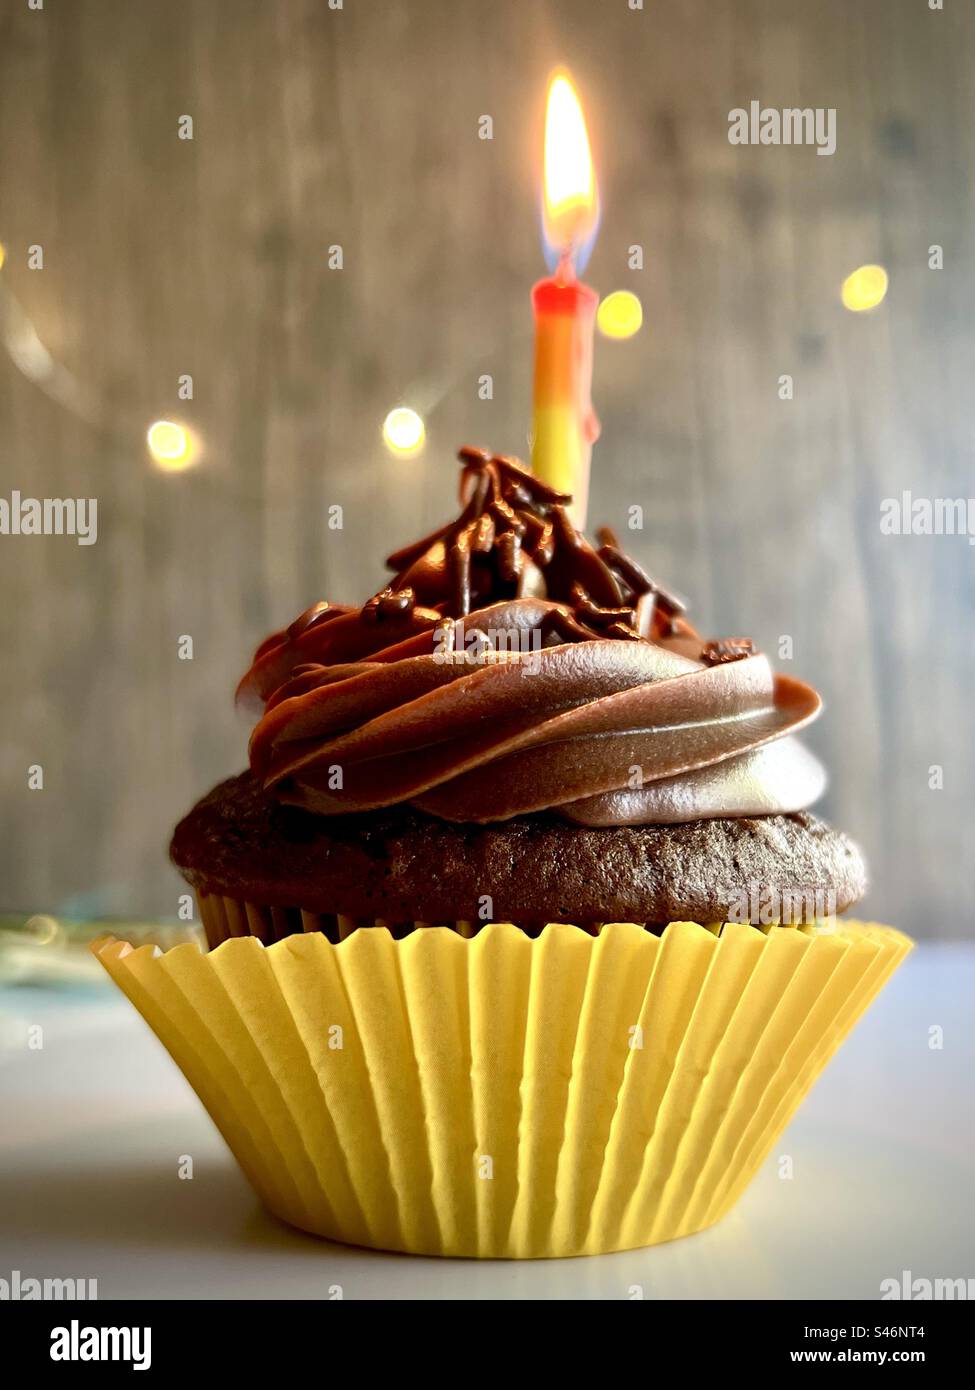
{"points": [[571, 200], [564, 424]]}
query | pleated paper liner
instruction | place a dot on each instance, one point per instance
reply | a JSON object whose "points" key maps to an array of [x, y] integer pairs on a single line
{"points": [[226, 917], [503, 1096]]}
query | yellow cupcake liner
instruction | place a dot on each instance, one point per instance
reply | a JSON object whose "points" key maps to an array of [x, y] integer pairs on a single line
{"points": [[503, 1096]]}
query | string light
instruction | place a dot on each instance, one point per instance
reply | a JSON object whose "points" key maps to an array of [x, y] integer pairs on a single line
{"points": [[404, 431], [864, 289], [171, 445], [619, 315]]}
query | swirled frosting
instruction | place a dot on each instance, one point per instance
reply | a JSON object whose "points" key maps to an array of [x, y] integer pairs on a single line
{"points": [[512, 667]]}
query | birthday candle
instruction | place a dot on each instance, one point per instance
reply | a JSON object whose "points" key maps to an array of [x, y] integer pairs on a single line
{"points": [[564, 425]]}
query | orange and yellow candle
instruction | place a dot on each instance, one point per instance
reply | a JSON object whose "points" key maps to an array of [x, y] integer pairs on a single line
{"points": [[564, 424]]}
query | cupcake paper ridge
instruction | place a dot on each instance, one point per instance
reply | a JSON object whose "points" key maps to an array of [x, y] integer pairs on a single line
{"points": [[503, 1096]]}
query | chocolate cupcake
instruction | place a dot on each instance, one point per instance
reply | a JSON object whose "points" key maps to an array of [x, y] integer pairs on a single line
{"points": [[241, 849], [522, 728], [523, 740]]}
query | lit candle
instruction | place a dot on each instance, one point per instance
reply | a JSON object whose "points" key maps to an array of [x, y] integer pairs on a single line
{"points": [[564, 425]]}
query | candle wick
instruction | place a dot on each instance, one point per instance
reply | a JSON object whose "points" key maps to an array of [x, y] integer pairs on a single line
{"points": [[566, 271]]}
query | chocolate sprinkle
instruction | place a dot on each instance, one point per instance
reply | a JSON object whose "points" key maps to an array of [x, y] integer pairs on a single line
{"points": [[723, 649], [510, 521], [388, 603]]}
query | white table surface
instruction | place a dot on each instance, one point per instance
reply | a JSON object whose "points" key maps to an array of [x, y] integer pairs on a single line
{"points": [[92, 1125]]}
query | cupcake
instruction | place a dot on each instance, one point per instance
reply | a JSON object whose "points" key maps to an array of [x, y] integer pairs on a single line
{"points": [[523, 939]]}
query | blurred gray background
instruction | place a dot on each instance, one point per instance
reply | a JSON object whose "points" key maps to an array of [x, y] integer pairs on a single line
{"points": [[360, 127]]}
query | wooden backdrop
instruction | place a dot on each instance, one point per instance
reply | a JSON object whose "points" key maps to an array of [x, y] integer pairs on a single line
{"points": [[359, 127]]}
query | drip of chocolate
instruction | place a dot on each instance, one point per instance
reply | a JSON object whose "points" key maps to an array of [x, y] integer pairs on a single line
{"points": [[514, 538]]}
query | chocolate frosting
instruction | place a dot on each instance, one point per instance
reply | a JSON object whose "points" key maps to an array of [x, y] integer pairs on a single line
{"points": [[512, 667]]}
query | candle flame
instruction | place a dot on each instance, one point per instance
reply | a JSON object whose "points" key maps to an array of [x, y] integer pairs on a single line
{"points": [[570, 205]]}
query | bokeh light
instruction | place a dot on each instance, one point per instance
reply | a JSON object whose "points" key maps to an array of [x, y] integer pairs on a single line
{"points": [[43, 929], [3, 254], [171, 445], [865, 288], [619, 315], [404, 431]]}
